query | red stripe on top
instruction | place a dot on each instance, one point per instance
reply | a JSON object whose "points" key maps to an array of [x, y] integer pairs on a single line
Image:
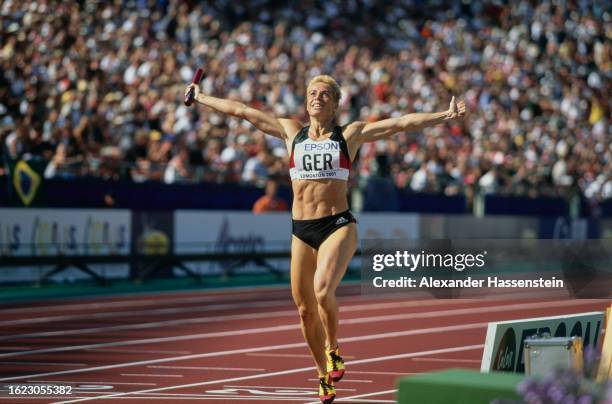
{"points": [[344, 162], [291, 162]]}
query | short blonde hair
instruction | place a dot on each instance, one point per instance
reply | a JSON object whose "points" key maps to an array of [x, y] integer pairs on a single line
{"points": [[330, 81]]}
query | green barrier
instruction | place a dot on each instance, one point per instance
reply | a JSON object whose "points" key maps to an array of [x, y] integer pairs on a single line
{"points": [[458, 386]]}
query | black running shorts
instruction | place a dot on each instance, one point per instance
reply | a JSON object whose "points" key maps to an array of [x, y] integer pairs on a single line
{"points": [[314, 232]]}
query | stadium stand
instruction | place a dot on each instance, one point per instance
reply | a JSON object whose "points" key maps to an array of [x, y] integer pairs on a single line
{"points": [[94, 89]]}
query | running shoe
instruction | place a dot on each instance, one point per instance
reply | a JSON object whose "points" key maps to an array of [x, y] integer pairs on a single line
{"points": [[335, 365], [327, 390]]}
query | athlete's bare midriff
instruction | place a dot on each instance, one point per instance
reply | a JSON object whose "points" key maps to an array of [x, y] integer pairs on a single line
{"points": [[314, 199]]}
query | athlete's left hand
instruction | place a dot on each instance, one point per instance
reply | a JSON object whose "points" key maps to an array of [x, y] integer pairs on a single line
{"points": [[456, 109]]}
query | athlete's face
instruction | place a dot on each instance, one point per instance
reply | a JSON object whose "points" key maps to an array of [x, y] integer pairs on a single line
{"points": [[320, 101]]}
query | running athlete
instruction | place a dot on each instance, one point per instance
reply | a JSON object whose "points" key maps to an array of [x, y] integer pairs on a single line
{"points": [[324, 230]]}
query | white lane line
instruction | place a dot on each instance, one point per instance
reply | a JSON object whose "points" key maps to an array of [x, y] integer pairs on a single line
{"points": [[313, 390], [471, 310], [233, 386], [250, 350], [346, 381], [166, 398], [209, 296], [149, 312], [186, 396], [213, 397], [246, 294], [396, 304], [43, 363], [361, 320], [156, 324], [228, 395], [360, 396], [44, 398], [206, 368], [361, 400], [291, 355], [200, 320], [168, 310], [286, 372], [360, 372], [91, 392], [280, 355], [277, 395], [354, 381], [272, 398], [449, 360], [198, 395], [163, 360], [247, 331], [86, 383], [139, 351], [418, 331], [148, 375]]}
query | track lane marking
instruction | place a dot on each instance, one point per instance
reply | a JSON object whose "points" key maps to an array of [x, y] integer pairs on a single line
{"points": [[360, 320], [165, 398], [206, 368], [139, 351], [246, 293], [292, 312], [314, 390], [449, 360], [347, 381], [86, 383], [160, 311], [43, 363], [377, 393], [364, 372], [147, 375], [368, 337], [285, 372], [156, 299], [273, 355]]}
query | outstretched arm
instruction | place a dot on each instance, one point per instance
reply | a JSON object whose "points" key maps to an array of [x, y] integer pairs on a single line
{"points": [[262, 121], [371, 132]]}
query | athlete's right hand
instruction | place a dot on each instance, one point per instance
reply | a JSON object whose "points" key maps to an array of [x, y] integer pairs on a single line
{"points": [[196, 91]]}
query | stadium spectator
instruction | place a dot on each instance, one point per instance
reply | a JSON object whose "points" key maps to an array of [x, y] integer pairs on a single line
{"points": [[179, 169], [270, 202], [93, 75]]}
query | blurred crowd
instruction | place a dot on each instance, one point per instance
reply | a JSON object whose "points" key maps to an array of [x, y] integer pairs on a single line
{"points": [[96, 88]]}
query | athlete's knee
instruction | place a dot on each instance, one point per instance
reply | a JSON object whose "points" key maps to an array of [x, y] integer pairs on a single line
{"points": [[307, 313], [323, 292], [305, 310]]}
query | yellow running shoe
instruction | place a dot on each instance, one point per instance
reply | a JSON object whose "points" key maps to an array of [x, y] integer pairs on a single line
{"points": [[335, 365], [327, 390]]}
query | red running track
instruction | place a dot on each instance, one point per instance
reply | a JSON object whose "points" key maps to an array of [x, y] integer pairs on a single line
{"points": [[239, 346]]}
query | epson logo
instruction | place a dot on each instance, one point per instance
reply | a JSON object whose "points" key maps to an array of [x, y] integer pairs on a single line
{"points": [[322, 146]]}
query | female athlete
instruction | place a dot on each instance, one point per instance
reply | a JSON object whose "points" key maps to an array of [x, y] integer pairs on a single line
{"points": [[324, 231]]}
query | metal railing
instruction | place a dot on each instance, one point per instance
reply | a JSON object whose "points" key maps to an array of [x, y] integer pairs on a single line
{"points": [[145, 266]]}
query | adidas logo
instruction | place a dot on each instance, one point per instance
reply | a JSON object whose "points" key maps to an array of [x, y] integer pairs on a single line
{"points": [[341, 220]]}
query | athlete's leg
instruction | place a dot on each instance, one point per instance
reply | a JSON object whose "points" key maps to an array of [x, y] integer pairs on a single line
{"points": [[332, 262], [303, 266]]}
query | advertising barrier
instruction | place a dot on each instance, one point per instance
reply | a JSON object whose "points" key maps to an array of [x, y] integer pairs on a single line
{"points": [[230, 231], [67, 232], [504, 342]]}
